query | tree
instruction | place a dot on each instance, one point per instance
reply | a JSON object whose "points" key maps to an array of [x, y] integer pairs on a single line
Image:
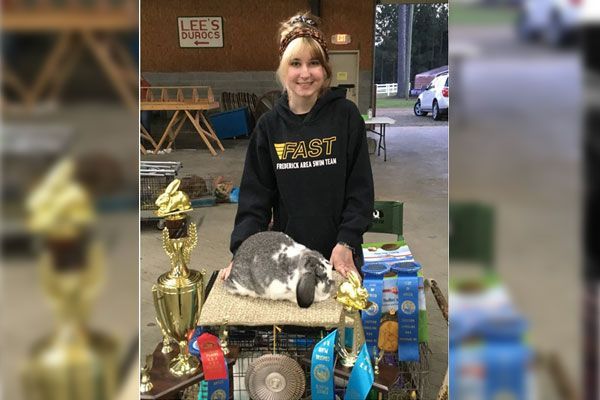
{"points": [[386, 39], [429, 40]]}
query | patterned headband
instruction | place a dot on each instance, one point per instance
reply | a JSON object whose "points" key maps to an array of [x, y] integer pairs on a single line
{"points": [[304, 32]]}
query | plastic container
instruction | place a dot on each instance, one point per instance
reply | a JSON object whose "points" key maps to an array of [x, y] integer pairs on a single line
{"points": [[231, 123]]}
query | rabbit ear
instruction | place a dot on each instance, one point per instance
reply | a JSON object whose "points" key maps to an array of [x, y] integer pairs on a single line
{"points": [[354, 279], [305, 291], [173, 186]]}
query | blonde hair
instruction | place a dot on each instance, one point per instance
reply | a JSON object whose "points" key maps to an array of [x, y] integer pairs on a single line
{"points": [[301, 44]]}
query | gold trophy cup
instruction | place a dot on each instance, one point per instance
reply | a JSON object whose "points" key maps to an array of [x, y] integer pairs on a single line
{"points": [[74, 362], [178, 294], [354, 298]]}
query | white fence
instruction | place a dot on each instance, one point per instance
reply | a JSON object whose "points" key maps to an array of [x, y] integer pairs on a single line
{"points": [[387, 89]]}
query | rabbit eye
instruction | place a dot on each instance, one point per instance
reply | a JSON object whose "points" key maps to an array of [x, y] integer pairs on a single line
{"points": [[320, 271]]}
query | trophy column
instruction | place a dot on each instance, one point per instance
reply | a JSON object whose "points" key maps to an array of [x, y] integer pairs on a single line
{"points": [[74, 362], [354, 298], [178, 293]]}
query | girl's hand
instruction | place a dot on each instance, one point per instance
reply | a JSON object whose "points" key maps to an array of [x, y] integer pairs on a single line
{"points": [[342, 260], [224, 273]]}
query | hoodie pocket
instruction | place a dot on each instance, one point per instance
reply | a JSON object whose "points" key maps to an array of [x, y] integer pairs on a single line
{"points": [[315, 232]]}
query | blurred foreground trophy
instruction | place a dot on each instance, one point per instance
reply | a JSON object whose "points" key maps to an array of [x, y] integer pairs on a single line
{"points": [[178, 294], [354, 298], [72, 363]]}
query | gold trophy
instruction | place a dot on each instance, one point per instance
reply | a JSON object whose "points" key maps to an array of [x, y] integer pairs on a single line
{"points": [[354, 297], [72, 363], [178, 294]]}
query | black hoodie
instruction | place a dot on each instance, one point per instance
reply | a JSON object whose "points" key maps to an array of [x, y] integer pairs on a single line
{"points": [[312, 171]]}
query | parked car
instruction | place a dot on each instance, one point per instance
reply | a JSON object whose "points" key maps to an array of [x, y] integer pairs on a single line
{"points": [[555, 21], [424, 78], [435, 98]]}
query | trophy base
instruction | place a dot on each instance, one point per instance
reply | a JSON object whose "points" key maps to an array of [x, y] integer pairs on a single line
{"points": [[166, 348], [348, 361], [146, 387], [183, 365]]}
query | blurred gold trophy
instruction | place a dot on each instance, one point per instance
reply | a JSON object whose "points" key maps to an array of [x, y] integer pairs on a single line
{"points": [[72, 363], [178, 294], [354, 298]]}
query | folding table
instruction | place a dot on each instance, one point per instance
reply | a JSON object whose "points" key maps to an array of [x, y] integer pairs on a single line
{"points": [[372, 126]]}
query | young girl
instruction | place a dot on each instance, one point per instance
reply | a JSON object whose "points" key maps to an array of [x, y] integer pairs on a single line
{"points": [[307, 167]]}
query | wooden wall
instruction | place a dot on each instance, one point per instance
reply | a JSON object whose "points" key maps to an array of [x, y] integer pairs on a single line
{"points": [[249, 30]]}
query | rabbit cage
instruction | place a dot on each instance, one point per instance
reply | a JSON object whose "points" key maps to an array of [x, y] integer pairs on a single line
{"points": [[154, 178], [297, 343]]}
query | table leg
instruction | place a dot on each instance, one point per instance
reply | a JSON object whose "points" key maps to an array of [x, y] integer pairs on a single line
{"points": [[210, 130], [48, 69], [11, 80], [384, 146], [145, 135], [201, 133], [129, 66], [166, 132], [142, 149], [379, 142], [176, 132], [102, 53], [61, 75]]}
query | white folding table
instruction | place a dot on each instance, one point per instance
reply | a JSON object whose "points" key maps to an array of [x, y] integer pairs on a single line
{"points": [[372, 126]]}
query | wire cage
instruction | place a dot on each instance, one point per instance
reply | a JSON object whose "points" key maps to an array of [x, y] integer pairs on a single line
{"points": [[297, 343], [153, 185]]}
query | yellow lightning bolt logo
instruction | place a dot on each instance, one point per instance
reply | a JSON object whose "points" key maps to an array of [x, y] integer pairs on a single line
{"points": [[279, 147]]}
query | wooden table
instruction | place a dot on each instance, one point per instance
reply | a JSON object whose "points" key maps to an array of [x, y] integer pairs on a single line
{"points": [[189, 103], [77, 27], [382, 122], [166, 385]]}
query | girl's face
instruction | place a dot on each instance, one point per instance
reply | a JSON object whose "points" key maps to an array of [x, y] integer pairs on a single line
{"points": [[305, 76]]}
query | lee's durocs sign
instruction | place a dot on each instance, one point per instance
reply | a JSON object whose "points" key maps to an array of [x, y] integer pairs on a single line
{"points": [[200, 31]]}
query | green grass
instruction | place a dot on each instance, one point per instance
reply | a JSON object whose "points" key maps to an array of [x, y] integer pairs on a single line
{"points": [[474, 15], [391, 102]]}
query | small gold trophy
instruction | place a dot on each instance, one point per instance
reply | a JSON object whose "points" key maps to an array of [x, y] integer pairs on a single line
{"points": [[178, 294], [72, 363], [354, 297]]}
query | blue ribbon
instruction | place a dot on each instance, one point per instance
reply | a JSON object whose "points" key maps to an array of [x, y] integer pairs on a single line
{"points": [[192, 345], [371, 317], [321, 373], [408, 310], [506, 370], [218, 389], [361, 377]]}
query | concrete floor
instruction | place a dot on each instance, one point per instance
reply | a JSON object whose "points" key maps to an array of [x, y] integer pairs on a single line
{"points": [[416, 173]]}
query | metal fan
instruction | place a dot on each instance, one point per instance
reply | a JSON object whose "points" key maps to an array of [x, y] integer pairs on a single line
{"points": [[275, 377]]}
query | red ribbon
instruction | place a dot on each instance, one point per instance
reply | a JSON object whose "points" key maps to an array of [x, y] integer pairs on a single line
{"points": [[213, 360]]}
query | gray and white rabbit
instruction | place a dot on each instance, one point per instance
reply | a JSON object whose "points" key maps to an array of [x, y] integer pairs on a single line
{"points": [[271, 265]]}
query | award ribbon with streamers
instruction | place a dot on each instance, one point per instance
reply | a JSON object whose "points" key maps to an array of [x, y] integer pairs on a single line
{"points": [[321, 374], [371, 317], [214, 367], [361, 377], [506, 365], [193, 341], [408, 310]]}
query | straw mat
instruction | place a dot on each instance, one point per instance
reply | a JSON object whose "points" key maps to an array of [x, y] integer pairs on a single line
{"points": [[222, 307]]}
